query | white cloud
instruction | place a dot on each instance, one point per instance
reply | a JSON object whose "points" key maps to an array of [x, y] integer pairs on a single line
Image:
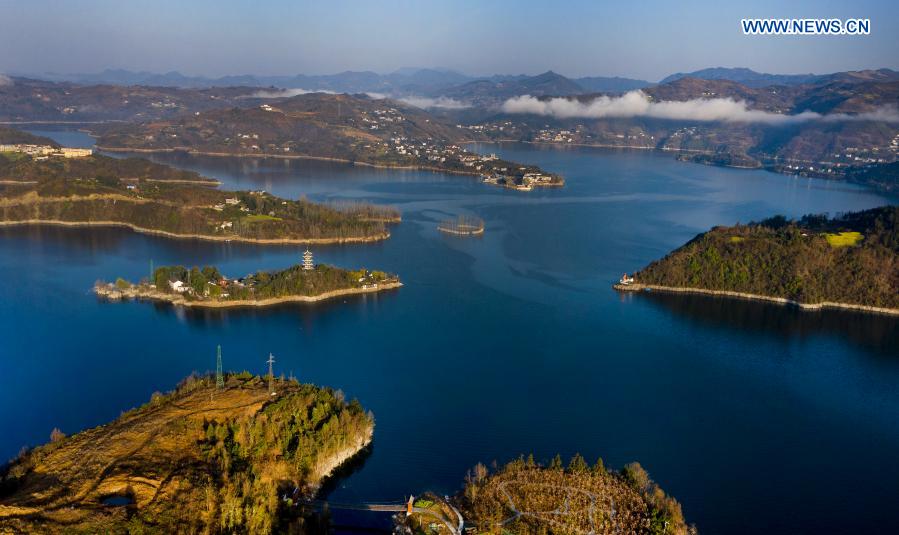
{"points": [[439, 102], [283, 93], [638, 104], [5, 80]]}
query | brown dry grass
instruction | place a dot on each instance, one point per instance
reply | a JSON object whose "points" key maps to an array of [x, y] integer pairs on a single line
{"points": [[152, 454]]}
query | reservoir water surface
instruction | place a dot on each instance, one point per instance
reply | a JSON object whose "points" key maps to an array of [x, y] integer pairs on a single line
{"points": [[756, 417]]}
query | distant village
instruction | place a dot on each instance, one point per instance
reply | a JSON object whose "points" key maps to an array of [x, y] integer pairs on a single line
{"points": [[42, 152]]}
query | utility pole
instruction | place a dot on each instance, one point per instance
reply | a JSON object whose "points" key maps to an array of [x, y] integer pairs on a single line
{"points": [[271, 375], [219, 378]]}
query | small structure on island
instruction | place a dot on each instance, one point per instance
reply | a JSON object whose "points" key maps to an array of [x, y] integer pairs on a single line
{"points": [[625, 280], [308, 265], [462, 226], [410, 505]]}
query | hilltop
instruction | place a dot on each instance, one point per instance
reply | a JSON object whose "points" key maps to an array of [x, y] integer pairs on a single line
{"points": [[198, 459], [30, 100], [850, 261]]}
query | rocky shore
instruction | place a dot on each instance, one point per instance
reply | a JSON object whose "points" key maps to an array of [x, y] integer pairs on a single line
{"points": [[636, 287], [146, 292]]}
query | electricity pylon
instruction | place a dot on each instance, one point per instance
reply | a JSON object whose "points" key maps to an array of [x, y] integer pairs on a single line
{"points": [[219, 378], [271, 375]]}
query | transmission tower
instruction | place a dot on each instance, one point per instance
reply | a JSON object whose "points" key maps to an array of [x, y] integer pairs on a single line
{"points": [[219, 378], [271, 375]]}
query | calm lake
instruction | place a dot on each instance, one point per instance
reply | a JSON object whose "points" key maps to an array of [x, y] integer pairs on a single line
{"points": [[757, 418]]}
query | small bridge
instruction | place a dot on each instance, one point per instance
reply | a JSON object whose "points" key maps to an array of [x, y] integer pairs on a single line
{"points": [[395, 507]]}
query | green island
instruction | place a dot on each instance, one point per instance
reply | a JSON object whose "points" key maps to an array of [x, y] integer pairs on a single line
{"points": [[157, 199], [526, 498], [207, 287], [234, 457], [850, 261]]}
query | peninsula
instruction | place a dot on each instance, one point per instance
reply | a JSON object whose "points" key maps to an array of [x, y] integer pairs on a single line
{"points": [[232, 457], [848, 262], [208, 288], [347, 128], [157, 199]]}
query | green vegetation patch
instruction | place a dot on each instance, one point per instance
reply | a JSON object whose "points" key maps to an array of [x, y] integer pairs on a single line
{"points": [[843, 239], [852, 259], [255, 218]]}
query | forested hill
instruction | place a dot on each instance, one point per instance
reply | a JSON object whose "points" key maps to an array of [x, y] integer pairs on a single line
{"points": [[11, 136], [852, 259]]}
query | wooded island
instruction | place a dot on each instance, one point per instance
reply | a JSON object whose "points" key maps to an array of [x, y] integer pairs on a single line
{"points": [[850, 261]]}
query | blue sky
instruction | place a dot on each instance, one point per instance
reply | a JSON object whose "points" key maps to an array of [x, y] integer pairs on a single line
{"points": [[648, 39]]}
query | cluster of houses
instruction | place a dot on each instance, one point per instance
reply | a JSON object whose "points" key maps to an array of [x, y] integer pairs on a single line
{"points": [[488, 127], [555, 136], [382, 118], [42, 152], [856, 155], [182, 288], [230, 201]]}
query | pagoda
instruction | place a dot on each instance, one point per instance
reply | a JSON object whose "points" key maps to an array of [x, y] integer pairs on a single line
{"points": [[307, 260]]}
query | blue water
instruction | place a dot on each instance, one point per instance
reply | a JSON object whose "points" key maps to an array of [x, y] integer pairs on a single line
{"points": [[756, 417]]}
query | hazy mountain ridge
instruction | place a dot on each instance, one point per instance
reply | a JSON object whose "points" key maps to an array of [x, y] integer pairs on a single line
{"points": [[751, 78]]}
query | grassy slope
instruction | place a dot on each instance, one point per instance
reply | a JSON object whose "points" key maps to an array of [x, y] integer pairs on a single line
{"points": [[809, 261], [195, 459]]}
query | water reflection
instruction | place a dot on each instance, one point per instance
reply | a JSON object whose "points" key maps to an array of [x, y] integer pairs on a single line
{"points": [[876, 333]]}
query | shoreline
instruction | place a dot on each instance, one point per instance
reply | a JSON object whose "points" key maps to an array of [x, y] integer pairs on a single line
{"points": [[194, 152], [757, 297], [358, 163], [166, 234], [328, 468], [114, 294]]}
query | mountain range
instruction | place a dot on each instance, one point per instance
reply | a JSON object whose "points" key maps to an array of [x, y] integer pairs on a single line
{"points": [[432, 81], [410, 80], [751, 78]]}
